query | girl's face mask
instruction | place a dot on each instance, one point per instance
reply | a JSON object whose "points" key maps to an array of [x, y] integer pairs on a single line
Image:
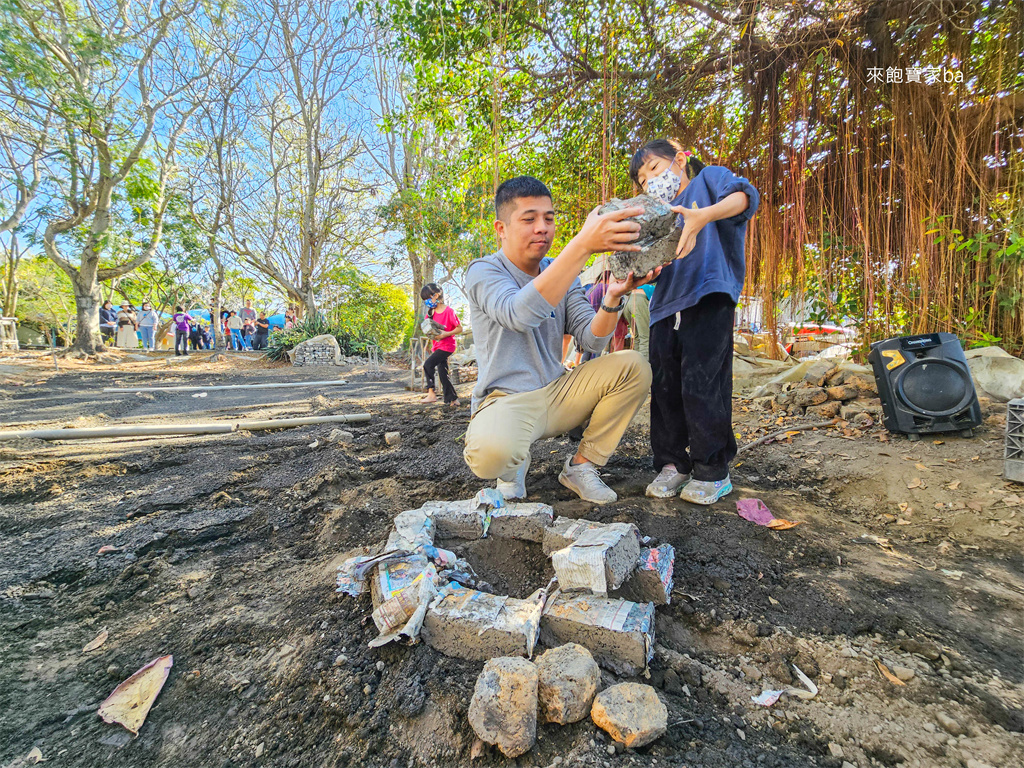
{"points": [[665, 185], [432, 303]]}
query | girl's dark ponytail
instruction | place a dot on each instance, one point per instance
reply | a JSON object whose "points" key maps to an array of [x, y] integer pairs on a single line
{"points": [[693, 166]]}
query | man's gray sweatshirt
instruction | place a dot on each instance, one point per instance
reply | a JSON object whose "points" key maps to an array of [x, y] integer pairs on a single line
{"points": [[517, 333]]}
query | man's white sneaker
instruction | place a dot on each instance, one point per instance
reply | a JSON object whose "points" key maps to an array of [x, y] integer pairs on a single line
{"points": [[585, 482], [706, 491], [667, 483], [515, 488]]}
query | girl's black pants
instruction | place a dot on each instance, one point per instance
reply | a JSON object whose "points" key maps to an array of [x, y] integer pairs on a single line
{"points": [[438, 361], [691, 393]]}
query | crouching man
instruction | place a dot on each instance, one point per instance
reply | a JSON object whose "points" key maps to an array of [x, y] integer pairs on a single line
{"points": [[521, 304]]}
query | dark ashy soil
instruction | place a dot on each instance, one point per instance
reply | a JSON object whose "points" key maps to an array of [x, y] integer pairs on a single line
{"points": [[909, 554]]}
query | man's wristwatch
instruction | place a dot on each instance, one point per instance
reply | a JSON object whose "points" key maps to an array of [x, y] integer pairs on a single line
{"points": [[617, 308]]}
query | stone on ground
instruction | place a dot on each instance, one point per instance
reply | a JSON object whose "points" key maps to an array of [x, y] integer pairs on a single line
{"points": [[652, 580], [631, 713], [503, 710], [476, 626], [569, 678], [456, 519], [392, 438], [599, 560], [523, 521], [319, 350], [997, 373], [619, 633], [340, 436], [564, 531]]}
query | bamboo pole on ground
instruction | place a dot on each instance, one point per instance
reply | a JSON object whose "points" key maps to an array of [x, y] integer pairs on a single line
{"points": [[143, 430], [194, 388]]}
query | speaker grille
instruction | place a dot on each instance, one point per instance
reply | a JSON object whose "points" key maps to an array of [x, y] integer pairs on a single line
{"points": [[934, 387]]}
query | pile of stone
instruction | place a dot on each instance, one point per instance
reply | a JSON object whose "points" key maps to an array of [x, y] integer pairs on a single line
{"points": [[512, 694], [608, 580], [822, 390], [464, 374], [319, 350]]}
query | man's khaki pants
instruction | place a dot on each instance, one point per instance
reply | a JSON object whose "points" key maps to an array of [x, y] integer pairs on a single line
{"points": [[608, 390]]}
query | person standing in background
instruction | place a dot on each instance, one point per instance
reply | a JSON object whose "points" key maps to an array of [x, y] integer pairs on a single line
{"points": [[148, 321], [247, 313], [225, 332], [248, 328], [259, 339], [181, 320], [126, 325], [637, 315], [234, 325], [443, 346], [108, 322], [195, 336]]}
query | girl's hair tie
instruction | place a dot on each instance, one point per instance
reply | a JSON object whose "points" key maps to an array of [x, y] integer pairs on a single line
{"points": [[687, 153]]}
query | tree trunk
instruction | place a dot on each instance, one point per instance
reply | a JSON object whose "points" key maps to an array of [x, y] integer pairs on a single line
{"points": [[11, 290], [218, 294], [309, 301], [88, 301]]}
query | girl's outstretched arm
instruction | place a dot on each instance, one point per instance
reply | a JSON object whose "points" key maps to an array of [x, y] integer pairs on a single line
{"points": [[695, 218]]}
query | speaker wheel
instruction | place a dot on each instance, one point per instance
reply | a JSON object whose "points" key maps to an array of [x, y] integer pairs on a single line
{"points": [[966, 433], [914, 438]]}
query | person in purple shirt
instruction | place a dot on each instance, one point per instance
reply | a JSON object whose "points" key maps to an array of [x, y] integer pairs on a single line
{"points": [[181, 321], [692, 316]]}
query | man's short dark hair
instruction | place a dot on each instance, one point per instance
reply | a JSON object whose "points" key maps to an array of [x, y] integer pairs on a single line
{"points": [[511, 190]]}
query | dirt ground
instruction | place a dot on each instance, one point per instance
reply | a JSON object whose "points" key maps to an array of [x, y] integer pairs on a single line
{"points": [[909, 554]]}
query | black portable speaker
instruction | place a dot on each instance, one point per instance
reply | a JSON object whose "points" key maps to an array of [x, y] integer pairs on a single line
{"points": [[925, 385]]}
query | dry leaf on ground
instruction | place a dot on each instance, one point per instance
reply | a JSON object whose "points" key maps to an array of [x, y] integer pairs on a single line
{"points": [[96, 642], [131, 701], [888, 675]]}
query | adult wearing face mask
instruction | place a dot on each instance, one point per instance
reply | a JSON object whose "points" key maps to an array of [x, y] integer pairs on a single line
{"points": [[521, 304], [148, 321], [692, 315]]}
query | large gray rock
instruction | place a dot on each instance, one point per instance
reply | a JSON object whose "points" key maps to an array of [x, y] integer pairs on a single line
{"points": [[568, 682], [658, 238], [631, 713], [503, 711], [997, 373], [319, 350]]}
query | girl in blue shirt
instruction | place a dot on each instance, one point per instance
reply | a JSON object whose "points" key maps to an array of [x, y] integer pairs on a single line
{"points": [[692, 318]]}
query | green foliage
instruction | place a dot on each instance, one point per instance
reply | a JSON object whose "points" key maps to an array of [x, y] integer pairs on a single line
{"points": [[367, 312], [46, 297], [373, 313]]}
